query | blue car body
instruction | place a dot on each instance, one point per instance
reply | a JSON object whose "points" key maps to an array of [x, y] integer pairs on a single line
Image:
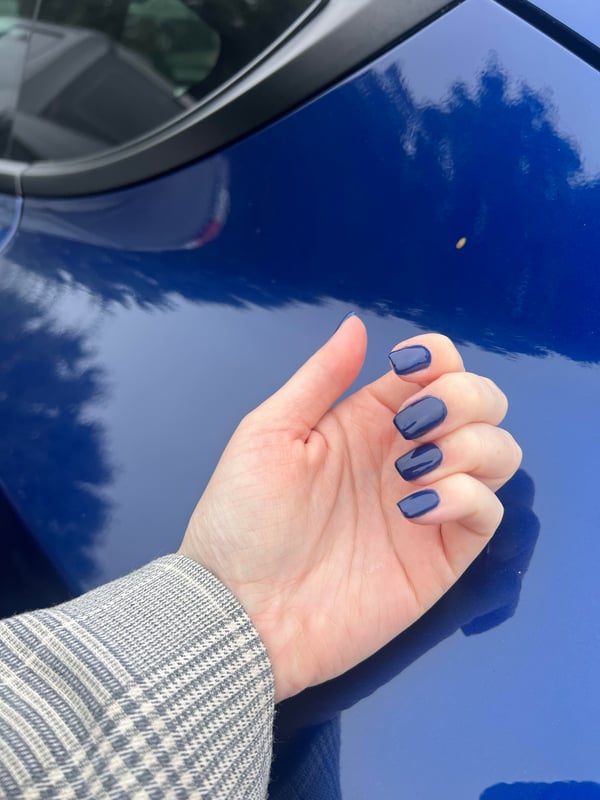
{"points": [[451, 183]]}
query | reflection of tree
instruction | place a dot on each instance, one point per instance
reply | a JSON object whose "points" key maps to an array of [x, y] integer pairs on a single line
{"points": [[52, 455], [397, 189], [367, 210]]}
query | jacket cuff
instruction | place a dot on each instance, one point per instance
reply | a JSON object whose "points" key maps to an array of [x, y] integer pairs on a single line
{"points": [[157, 680]]}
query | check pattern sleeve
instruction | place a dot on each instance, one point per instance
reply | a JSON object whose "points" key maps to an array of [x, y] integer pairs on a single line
{"points": [[154, 686]]}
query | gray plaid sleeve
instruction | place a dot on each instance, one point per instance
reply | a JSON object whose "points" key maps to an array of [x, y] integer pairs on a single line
{"points": [[153, 686]]}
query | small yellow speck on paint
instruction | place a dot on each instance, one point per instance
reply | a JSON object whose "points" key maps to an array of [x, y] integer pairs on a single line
{"points": [[461, 243]]}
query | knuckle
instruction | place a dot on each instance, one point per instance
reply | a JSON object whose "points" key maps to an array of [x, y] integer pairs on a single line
{"points": [[246, 421], [442, 341], [516, 454], [447, 348], [478, 449], [469, 491], [463, 391], [488, 400], [499, 514], [498, 397], [250, 422], [500, 455], [465, 450], [491, 512], [476, 495], [483, 510]]}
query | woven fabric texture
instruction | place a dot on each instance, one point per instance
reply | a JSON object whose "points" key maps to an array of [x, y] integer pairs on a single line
{"points": [[153, 686]]}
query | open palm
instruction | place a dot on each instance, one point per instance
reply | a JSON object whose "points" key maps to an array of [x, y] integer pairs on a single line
{"points": [[300, 519]]}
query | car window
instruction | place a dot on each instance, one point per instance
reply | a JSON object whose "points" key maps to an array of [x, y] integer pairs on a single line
{"points": [[103, 72], [169, 35], [14, 42], [582, 16]]}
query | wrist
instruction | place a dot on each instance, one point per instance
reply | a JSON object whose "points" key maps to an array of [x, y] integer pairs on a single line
{"points": [[278, 628]]}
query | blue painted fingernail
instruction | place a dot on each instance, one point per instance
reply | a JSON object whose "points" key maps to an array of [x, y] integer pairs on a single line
{"points": [[420, 417], [419, 461], [409, 359], [344, 318], [419, 503]]}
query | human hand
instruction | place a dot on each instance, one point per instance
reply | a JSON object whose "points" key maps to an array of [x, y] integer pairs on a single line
{"points": [[300, 521]]}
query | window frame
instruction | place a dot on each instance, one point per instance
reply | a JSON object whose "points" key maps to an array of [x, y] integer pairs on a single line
{"points": [[330, 40]]}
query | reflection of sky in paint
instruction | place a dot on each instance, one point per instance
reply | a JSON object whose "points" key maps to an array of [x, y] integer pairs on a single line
{"points": [[581, 15], [485, 32], [520, 702], [428, 735], [453, 723]]}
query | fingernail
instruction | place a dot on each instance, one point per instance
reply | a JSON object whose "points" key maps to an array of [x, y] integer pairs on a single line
{"points": [[419, 503], [419, 461], [420, 417], [405, 360], [344, 318]]}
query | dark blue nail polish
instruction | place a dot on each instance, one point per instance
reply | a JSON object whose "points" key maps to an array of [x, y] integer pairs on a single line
{"points": [[409, 359], [420, 417], [343, 319], [419, 461], [419, 503]]}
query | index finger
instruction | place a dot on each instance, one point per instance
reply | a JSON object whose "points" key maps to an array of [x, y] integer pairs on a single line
{"points": [[415, 363]]}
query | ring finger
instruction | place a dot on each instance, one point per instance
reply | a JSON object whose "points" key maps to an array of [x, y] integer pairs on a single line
{"points": [[479, 449], [448, 403]]}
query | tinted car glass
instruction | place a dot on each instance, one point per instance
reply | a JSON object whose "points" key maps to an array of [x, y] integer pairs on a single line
{"points": [[14, 41], [99, 74], [169, 35], [583, 16]]}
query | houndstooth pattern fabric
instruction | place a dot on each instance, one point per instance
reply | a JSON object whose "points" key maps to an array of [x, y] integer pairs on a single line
{"points": [[153, 686]]}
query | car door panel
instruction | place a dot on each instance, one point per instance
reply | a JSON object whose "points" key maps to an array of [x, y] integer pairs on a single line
{"points": [[452, 183]]}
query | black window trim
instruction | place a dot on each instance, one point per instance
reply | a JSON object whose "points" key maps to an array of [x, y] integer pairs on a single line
{"points": [[330, 40]]}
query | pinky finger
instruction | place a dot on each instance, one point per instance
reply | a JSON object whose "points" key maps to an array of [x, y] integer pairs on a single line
{"points": [[467, 511], [457, 497]]}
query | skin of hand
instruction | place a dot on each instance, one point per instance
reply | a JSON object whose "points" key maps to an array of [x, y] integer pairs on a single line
{"points": [[300, 518]]}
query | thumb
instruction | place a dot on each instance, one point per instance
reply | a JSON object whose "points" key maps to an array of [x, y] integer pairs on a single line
{"points": [[320, 381]]}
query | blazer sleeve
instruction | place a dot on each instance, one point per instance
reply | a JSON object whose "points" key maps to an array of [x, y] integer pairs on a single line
{"points": [[153, 686]]}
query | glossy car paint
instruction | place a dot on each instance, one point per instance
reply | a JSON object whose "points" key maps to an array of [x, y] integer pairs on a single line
{"points": [[126, 368]]}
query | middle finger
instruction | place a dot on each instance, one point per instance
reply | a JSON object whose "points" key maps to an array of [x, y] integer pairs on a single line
{"points": [[484, 451], [453, 400]]}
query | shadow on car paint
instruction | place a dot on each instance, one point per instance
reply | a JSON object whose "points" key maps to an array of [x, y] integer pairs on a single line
{"points": [[27, 578], [486, 596]]}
